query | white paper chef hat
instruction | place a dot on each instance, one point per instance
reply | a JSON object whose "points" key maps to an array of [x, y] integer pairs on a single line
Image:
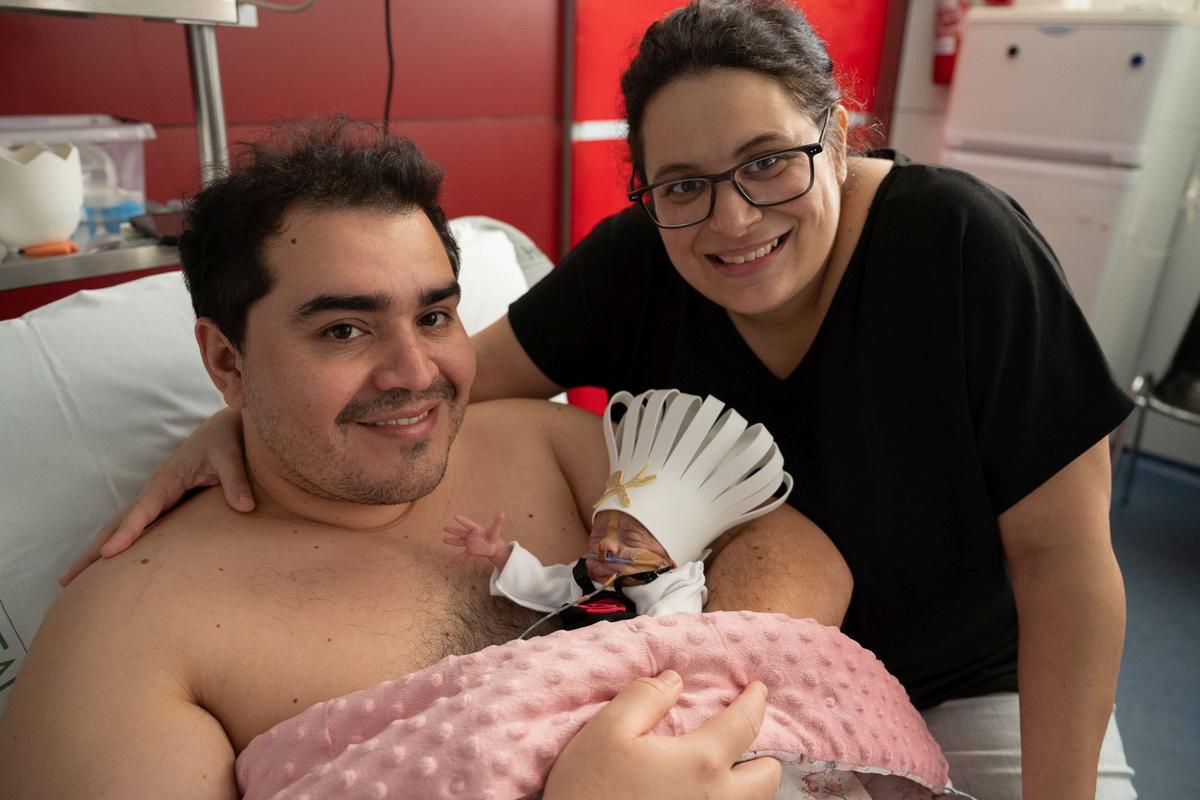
{"points": [[687, 471]]}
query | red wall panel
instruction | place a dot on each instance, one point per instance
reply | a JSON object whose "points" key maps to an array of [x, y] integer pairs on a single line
{"points": [[476, 84], [104, 65], [503, 167], [599, 173], [454, 58], [853, 30], [608, 32]]}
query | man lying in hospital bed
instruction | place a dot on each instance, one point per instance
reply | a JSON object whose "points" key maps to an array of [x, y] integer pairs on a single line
{"points": [[159, 671]]}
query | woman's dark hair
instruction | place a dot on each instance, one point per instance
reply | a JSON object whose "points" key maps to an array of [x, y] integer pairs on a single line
{"points": [[331, 163], [767, 36]]}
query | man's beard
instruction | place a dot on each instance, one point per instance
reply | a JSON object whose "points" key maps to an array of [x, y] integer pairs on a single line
{"points": [[327, 470]]}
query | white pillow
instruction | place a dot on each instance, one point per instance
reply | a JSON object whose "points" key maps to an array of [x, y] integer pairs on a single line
{"points": [[96, 389]]}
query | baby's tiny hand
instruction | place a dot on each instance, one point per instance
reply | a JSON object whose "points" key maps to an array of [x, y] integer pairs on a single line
{"points": [[477, 541]]}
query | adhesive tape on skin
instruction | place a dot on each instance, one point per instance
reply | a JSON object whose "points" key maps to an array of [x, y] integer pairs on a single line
{"points": [[632, 556]]}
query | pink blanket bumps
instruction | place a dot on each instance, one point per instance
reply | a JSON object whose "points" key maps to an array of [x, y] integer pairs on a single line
{"points": [[490, 724]]}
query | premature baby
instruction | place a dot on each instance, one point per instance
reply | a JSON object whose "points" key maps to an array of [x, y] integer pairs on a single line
{"points": [[696, 472]]}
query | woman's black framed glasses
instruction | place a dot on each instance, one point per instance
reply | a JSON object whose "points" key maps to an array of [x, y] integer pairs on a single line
{"points": [[765, 180]]}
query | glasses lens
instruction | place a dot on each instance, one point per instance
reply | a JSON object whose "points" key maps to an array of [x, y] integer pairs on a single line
{"points": [[776, 178], [682, 202]]}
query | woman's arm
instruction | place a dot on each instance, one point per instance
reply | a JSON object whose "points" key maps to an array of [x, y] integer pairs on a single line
{"points": [[612, 757], [1071, 608], [503, 369]]}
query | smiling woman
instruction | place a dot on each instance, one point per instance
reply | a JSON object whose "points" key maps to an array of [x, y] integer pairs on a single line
{"points": [[833, 310], [740, 257]]}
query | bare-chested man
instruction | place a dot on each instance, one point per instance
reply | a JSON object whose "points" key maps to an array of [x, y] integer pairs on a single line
{"points": [[324, 280]]}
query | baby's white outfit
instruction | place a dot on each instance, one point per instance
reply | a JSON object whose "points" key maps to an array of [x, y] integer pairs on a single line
{"points": [[528, 582]]}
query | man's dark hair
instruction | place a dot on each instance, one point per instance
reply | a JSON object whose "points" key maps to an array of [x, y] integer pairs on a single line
{"points": [[332, 163], [771, 37]]}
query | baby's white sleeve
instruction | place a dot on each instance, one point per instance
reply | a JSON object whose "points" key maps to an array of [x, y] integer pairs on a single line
{"points": [[681, 589], [527, 582]]}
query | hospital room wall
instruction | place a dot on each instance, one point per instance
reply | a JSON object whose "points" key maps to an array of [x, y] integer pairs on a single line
{"points": [[860, 36], [477, 86]]}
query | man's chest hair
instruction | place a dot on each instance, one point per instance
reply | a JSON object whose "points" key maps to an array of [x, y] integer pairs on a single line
{"points": [[476, 620]]}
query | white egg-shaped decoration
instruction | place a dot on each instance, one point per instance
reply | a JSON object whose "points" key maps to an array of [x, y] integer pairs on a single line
{"points": [[41, 192]]}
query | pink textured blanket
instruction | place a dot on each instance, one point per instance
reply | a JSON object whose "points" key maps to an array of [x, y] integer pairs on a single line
{"points": [[490, 724]]}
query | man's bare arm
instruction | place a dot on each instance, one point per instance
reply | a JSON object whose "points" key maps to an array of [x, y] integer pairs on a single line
{"points": [[101, 709], [780, 562]]}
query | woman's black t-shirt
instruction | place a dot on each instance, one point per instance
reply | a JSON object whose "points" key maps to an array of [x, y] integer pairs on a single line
{"points": [[953, 375]]}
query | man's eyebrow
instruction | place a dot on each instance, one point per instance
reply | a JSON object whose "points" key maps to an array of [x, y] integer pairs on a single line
{"points": [[747, 148], [372, 303], [437, 294]]}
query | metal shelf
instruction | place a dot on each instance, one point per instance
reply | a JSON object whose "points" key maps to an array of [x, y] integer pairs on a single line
{"points": [[17, 272], [223, 12], [199, 16]]}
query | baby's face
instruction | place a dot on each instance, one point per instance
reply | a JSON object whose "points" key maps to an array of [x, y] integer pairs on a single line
{"points": [[620, 536]]}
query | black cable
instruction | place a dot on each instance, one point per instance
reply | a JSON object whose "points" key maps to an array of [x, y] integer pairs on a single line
{"points": [[391, 71]]}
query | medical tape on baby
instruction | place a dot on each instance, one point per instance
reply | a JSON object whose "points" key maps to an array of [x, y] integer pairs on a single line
{"points": [[614, 523], [633, 556]]}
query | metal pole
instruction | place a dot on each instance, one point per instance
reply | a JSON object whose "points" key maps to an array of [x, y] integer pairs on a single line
{"points": [[568, 125], [210, 107]]}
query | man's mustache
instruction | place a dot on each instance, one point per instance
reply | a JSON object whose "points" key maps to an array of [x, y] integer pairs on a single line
{"points": [[440, 389]]}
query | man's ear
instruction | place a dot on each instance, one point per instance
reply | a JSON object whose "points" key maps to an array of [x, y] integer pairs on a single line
{"points": [[223, 362]]}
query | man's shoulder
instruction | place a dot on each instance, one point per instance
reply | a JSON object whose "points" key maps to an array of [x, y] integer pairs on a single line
{"points": [[156, 575], [513, 419], [107, 692], [537, 437]]}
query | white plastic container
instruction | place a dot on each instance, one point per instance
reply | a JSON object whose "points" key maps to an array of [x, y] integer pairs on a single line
{"points": [[41, 189], [111, 155]]}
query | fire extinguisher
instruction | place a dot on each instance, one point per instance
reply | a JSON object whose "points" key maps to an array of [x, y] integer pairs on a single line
{"points": [[947, 34]]}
